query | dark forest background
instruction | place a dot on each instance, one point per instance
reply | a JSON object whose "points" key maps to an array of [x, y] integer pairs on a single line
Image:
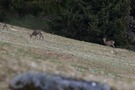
{"points": [[86, 20]]}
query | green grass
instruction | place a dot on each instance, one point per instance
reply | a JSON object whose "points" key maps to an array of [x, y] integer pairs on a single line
{"points": [[80, 67], [56, 54], [4, 44]]}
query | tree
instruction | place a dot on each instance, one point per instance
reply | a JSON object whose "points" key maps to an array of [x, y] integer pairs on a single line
{"points": [[91, 20], [4, 7]]}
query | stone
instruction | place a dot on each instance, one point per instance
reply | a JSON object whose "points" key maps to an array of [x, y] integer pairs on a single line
{"points": [[45, 81]]}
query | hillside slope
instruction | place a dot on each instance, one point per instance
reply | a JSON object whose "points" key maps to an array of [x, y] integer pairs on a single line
{"points": [[56, 54]]}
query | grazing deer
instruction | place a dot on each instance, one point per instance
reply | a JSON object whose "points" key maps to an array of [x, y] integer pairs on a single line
{"points": [[37, 33], [109, 42], [4, 26]]}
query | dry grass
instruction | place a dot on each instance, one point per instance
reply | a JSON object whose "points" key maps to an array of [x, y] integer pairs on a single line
{"points": [[56, 54]]}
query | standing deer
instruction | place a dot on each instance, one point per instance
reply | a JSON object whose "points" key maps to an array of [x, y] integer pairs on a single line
{"points": [[109, 42], [37, 33]]}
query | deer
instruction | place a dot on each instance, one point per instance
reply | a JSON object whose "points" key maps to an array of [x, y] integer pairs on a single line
{"points": [[108, 42], [37, 33], [4, 26]]}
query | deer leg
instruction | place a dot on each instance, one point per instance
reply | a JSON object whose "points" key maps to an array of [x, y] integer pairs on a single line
{"points": [[41, 36], [36, 37], [113, 46], [30, 35]]}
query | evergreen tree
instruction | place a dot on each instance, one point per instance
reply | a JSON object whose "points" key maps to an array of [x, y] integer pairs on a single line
{"points": [[91, 20]]}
